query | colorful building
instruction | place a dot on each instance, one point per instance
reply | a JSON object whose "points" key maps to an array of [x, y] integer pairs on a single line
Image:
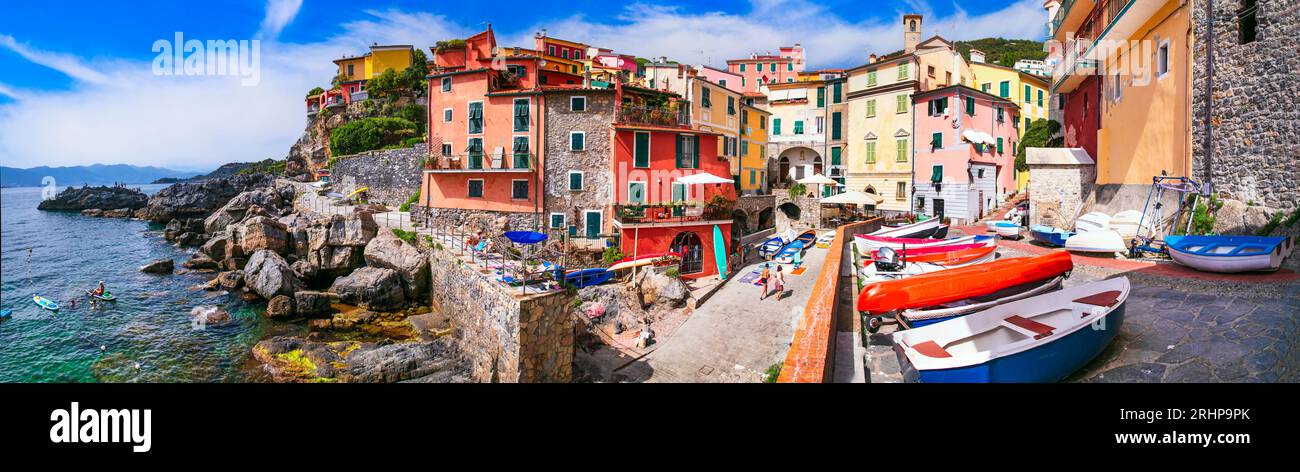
{"points": [[716, 109], [765, 69], [808, 129], [965, 152], [751, 172], [879, 148], [484, 133], [355, 71], [721, 77], [654, 146], [1030, 92], [1123, 71]]}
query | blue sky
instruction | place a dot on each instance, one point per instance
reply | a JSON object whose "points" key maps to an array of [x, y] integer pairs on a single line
{"points": [[78, 86]]}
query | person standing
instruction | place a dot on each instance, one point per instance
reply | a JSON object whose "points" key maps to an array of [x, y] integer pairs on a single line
{"points": [[762, 279], [780, 282]]}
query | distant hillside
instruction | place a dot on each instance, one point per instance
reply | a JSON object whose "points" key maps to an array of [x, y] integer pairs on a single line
{"points": [[1003, 52], [271, 166], [98, 174]]}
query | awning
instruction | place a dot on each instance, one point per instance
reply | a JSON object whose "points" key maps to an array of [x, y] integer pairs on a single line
{"points": [[978, 137], [817, 179], [854, 197], [703, 178]]}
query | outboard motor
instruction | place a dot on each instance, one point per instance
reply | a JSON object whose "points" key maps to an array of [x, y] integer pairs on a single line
{"points": [[888, 260]]}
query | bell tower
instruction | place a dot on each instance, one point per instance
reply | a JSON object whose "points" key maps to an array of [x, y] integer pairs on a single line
{"points": [[911, 32]]}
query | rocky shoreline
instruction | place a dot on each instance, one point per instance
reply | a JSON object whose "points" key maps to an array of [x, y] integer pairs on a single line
{"points": [[362, 292]]}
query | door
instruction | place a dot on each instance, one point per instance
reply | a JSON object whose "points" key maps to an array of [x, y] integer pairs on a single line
{"points": [[594, 223], [938, 208], [688, 244], [981, 213]]}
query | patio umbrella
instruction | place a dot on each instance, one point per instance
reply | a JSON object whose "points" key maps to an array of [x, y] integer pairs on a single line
{"points": [[702, 178], [854, 197], [819, 180]]}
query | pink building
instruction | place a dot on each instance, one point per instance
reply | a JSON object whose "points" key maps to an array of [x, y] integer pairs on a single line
{"points": [[965, 147], [721, 77], [761, 69]]}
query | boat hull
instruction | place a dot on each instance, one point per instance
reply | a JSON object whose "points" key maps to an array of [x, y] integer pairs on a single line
{"points": [[1229, 254], [1106, 241], [872, 243], [926, 228], [1007, 231], [588, 277], [1049, 236], [1095, 221], [961, 283], [1050, 362]]}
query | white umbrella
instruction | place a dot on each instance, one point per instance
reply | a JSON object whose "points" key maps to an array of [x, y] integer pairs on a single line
{"points": [[817, 179], [703, 178], [854, 197]]}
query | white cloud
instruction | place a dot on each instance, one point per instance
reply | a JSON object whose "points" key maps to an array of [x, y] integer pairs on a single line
{"points": [[279, 13], [118, 111]]}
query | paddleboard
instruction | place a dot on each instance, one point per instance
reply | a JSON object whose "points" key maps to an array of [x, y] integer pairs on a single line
{"points": [[720, 252], [45, 303], [108, 297]]}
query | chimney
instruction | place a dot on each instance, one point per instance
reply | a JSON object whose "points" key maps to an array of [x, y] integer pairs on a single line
{"points": [[911, 32], [976, 56], [871, 59]]}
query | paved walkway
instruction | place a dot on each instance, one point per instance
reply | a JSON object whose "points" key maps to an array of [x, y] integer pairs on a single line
{"points": [[733, 337]]}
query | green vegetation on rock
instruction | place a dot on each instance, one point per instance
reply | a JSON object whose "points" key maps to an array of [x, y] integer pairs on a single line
{"points": [[1041, 133], [1003, 52], [370, 134], [406, 207]]}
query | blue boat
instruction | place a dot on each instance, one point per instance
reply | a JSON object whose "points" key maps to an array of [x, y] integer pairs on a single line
{"points": [[1049, 235], [580, 278], [1040, 339], [789, 253], [770, 247], [1229, 254]]}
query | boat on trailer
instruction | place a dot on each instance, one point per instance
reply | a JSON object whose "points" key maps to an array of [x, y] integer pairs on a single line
{"points": [[920, 229], [1039, 339], [1049, 235], [1230, 254], [888, 267]]}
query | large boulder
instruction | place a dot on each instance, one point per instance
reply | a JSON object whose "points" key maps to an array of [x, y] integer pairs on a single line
{"points": [[200, 261], [160, 266], [371, 288], [398, 362], [390, 252], [313, 304], [235, 210], [280, 307], [354, 230], [198, 199], [215, 247], [1237, 217], [659, 289], [336, 261], [231, 279], [105, 199], [269, 275], [260, 233]]}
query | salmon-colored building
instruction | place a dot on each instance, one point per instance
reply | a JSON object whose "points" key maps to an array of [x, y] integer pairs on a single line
{"points": [[485, 130], [653, 147], [965, 151], [764, 69]]}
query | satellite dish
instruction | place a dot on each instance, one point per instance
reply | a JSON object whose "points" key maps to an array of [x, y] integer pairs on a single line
{"points": [[542, 63]]}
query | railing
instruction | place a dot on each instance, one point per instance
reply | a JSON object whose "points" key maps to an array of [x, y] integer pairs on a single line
{"points": [[362, 95], [1061, 13], [669, 116], [1101, 16], [670, 213], [482, 162]]}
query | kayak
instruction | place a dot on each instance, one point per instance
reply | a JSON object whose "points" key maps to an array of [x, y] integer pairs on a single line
{"points": [[108, 297], [45, 303], [630, 262], [951, 285]]}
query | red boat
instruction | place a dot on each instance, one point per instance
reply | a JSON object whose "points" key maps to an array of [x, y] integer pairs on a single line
{"points": [[942, 255], [962, 283]]}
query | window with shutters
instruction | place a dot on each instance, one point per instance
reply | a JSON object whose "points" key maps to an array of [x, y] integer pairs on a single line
{"points": [[903, 73], [970, 106], [636, 192], [1004, 89], [902, 150], [688, 154], [776, 126], [936, 140], [474, 188], [679, 192], [821, 97], [521, 114], [742, 67], [835, 156], [902, 103], [999, 145], [475, 115], [577, 141], [642, 150], [798, 127], [520, 149], [475, 152], [705, 101], [1026, 93], [1040, 98], [871, 108], [901, 193], [835, 125], [731, 105], [871, 78], [557, 220], [871, 152], [837, 92], [575, 180]]}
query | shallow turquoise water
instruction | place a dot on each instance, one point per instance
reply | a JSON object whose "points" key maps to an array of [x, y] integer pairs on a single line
{"points": [[149, 324]]}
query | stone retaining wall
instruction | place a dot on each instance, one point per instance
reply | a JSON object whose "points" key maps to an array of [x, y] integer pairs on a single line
{"points": [[504, 336], [809, 212], [392, 175]]}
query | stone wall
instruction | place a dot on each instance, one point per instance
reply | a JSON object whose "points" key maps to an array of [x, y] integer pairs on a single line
{"points": [[593, 161], [760, 213], [1255, 119], [1058, 192], [505, 336], [809, 212], [392, 175]]}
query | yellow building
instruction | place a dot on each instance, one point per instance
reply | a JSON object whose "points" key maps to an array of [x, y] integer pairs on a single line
{"points": [[753, 150], [715, 108], [1031, 92], [379, 59], [879, 148]]}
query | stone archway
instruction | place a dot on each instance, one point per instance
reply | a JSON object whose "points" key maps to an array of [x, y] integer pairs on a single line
{"points": [[800, 162], [790, 210], [740, 222], [765, 219]]}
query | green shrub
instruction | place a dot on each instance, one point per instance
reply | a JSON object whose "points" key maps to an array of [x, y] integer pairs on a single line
{"points": [[370, 134], [413, 141], [407, 206], [772, 373], [1295, 216], [315, 91], [612, 255], [408, 236], [1272, 225], [798, 190], [673, 272]]}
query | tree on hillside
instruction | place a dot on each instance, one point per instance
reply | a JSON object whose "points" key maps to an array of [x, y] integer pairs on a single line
{"points": [[413, 77], [1004, 52], [1041, 133], [370, 134]]}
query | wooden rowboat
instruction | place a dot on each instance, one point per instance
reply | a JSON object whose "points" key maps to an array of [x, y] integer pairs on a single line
{"points": [[867, 243], [927, 290], [1104, 241], [920, 229], [1229, 253], [1040, 339]]}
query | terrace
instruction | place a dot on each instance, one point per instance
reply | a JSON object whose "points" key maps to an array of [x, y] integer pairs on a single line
{"points": [[673, 114], [675, 213], [499, 161]]}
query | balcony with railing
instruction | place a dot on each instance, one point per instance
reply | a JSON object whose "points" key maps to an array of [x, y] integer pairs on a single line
{"points": [[517, 162], [671, 115], [1106, 20], [670, 214]]}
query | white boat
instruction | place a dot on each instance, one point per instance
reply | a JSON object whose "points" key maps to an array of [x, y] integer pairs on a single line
{"points": [[919, 229], [825, 240], [1229, 254], [992, 225], [1040, 339], [1094, 221], [874, 273], [1126, 223], [1107, 241], [867, 243], [1007, 230]]}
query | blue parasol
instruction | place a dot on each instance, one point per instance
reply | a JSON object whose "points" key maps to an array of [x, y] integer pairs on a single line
{"points": [[525, 237]]}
